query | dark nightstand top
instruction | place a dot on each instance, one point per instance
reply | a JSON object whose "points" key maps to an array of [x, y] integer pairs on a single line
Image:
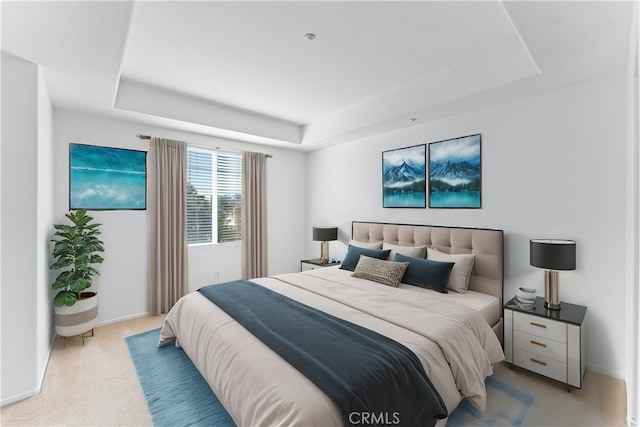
{"points": [[316, 261], [569, 313]]}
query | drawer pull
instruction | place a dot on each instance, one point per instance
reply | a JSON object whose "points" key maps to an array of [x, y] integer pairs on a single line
{"points": [[539, 325], [539, 362], [538, 343]]}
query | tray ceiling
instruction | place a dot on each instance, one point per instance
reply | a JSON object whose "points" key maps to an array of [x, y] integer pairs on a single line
{"points": [[244, 70]]}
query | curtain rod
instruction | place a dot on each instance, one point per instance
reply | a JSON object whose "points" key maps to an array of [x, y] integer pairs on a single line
{"points": [[204, 146]]}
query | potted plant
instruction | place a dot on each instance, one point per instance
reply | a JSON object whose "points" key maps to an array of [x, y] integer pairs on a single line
{"points": [[75, 252]]}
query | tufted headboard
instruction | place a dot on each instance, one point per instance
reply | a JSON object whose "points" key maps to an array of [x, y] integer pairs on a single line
{"points": [[486, 244]]}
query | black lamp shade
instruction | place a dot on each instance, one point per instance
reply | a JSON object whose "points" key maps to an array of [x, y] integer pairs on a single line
{"points": [[325, 234], [553, 254]]}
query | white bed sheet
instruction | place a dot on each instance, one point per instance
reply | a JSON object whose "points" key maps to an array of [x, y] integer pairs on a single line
{"points": [[488, 305], [257, 387]]}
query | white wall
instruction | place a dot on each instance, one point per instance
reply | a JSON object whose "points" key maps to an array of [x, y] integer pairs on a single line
{"points": [[25, 220], [633, 225], [44, 324], [123, 281], [122, 284], [552, 166]]}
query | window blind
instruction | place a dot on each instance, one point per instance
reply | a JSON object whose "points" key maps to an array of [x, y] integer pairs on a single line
{"points": [[229, 197], [214, 196]]}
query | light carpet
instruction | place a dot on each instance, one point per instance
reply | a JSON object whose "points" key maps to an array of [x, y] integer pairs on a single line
{"points": [[177, 395]]}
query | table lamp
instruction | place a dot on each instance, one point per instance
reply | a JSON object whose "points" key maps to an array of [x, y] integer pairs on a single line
{"points": [[552, 255], [324, 234]]}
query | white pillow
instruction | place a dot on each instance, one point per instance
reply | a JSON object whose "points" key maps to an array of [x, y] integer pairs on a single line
{"points": [[366, 245], [461, 271], [412, 251]]}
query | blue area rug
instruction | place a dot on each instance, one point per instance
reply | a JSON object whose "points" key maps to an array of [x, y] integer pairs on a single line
{"points": [[506, 406], [177, 395]]}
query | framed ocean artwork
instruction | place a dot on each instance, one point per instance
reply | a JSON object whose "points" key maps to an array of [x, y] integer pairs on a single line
{"points": [[455, 173], [404, 177], [106, 178]]}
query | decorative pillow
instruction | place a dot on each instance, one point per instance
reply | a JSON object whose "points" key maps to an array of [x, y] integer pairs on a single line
{"points": [[385, 272], [461, 271], [366, 245], [412, 251], [353, 256], [426, 273]]}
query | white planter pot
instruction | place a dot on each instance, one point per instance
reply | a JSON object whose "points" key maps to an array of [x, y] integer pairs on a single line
{"points": [[79, 318]]}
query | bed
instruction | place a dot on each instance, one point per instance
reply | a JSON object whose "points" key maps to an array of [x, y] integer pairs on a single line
{"points": [[457, 339]]}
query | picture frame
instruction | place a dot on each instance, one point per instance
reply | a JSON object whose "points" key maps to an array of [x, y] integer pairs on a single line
{"points": [[455, 173], [404, 177], [107, 178]]}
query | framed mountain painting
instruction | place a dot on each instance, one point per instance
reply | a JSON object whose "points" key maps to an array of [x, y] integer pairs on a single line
{"points": [[106, 178], [455, 172], [404, 177]]}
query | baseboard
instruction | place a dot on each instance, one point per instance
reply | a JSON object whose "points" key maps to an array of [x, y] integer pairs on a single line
{"points": [[28, 394], [121, 319], [44, 371], [21, 396], [606, 372]]}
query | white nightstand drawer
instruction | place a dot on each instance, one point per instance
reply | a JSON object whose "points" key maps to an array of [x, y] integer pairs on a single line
{"points": [[540, 326], [306, 266], [541, 365], [541, 346]]}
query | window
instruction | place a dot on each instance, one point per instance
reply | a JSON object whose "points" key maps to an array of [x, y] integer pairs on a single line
{"points": [[214, 196]]}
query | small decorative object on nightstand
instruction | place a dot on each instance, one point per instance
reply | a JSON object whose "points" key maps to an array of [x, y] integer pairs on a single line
{"points": [[312, 264], [324, 234], [548, 342], [526, 297]]}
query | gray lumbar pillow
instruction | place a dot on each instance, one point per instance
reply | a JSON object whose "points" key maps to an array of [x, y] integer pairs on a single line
{"points": [[381, 271]]}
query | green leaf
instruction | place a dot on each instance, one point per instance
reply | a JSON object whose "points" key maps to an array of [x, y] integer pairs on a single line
{"points": [[63, 279], [63, 227], [62, 263], [79, 285], [61, 249], [93, 247], [65, 298], [92, 272]]}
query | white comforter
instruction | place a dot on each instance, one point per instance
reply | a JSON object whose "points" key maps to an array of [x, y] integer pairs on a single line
{"points": [[454, 343]]}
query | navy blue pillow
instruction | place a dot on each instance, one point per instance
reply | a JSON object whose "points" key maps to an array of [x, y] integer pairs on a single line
{"points": [[353, 256], [426, 273]]}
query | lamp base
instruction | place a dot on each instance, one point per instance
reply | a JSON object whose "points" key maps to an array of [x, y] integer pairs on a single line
{"points": [[324, 252], [551, 290]]}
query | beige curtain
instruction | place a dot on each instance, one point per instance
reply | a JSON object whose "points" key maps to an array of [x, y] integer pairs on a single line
{"points": [[254, 216], [168, 217]]}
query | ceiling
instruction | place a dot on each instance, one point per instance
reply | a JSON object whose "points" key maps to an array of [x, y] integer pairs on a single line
{"points": [[245, 70]]}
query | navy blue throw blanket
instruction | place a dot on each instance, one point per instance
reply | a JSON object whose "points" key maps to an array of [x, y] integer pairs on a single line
{"points": [[372, 379]]}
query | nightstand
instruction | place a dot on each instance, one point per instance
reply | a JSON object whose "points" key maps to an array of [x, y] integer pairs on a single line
{"points": [[547, 342], [313, 264]]}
